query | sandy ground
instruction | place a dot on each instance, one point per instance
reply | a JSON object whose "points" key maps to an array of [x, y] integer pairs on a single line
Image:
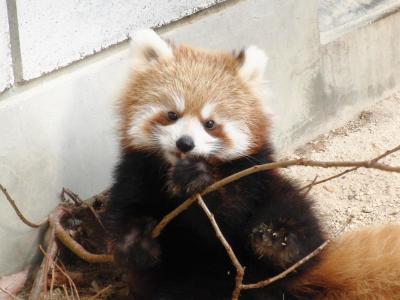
{"points": [[371, 196]]}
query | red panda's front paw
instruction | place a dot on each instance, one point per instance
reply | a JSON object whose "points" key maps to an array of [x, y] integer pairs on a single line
{"points": [[189, 177], [274, 245], [137, 251]]}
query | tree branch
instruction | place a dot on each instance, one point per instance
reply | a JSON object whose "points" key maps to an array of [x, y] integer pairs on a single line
{"points": [[54, 220], [239, 268], [18, 212], [369, 164], [283, 274], [397, 148]]}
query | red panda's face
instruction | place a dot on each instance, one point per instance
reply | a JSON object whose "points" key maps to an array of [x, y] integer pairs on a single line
{"points": [[186, 102]]}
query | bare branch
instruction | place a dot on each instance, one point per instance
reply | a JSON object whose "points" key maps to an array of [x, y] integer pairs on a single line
{"points": [[71, 282], [101, 292], [54, 221], [268, 281], [310, 186], [18, 212], [369, 164], [40, 282], [9, 294], [239, 268], [352, 169]]}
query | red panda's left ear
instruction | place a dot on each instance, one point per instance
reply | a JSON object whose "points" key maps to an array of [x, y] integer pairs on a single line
{"points": [[253, 62], [148, 47]]}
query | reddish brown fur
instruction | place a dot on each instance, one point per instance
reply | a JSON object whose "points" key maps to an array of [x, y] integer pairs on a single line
{"points": [[198, 76], [359, 265]]}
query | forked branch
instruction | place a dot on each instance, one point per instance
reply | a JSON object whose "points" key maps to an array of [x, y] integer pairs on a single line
{"points": [[369, 164]]}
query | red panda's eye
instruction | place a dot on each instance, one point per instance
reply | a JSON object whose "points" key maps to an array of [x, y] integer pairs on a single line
{"points": [[172, 116], [209, 124]]}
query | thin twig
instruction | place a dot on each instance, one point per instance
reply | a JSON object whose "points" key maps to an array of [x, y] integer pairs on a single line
{"points": [[66, 292], [74, 197], [330, 178], [239, 268], [310, 186], [388, 152], [52, 282], [71, 282], [9, 294], [41, 276], [54, 221], [101, 292], [369, 164], [302, 261], [79, 202], [18, 212]]}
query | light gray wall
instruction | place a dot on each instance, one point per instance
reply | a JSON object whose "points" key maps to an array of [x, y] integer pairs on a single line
{"points": [[6, 74], [52, 33]]}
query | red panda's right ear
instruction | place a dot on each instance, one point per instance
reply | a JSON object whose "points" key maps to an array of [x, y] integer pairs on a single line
{"points": [[148, 47]]}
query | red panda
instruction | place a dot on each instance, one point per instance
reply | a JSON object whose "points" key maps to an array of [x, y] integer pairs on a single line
{"points": [[189, 117]]}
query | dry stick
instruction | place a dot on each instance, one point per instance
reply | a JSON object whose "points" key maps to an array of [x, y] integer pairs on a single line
{"points": [[283, 274], [54, 218], [74, 197], [369, 164], [66, 292], [329, 178], [9, 294], [310, 186], [55, 221], [388, 152], [52, 282], [71, 282], [18, 212], [78, 202], [101, 292], [41, 275], [239, 268]]}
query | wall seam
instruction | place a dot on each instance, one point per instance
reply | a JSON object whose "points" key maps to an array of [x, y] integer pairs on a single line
{"points": [[16, 56]]}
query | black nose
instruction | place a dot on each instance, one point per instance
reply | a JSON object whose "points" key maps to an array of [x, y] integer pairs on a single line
{"points": [[185, 143]]}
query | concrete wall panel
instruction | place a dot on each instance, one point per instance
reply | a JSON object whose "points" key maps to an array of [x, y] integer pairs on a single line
{"points": [[6, 73], [58, 134], [51, 37], [362, 66]]}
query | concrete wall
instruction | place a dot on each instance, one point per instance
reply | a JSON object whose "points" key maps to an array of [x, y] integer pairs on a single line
{"points": [[58, 130], [6, 74], [56, 33]]}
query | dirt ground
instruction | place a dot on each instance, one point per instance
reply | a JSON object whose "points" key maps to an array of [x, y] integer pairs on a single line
{"points": [[371, 196]]}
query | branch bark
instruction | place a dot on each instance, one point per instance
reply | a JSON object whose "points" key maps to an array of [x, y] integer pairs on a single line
{"points": [[55, 222], [239, 268], [18, 212], [369, 164]]}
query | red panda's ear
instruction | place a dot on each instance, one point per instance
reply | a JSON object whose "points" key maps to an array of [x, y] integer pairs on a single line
{"points": [[253, 61], [148, 47]]}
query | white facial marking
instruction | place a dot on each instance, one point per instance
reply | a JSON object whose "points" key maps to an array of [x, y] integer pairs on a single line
{"points": [[239, 134], [139, 120], [179, 102], [205, 144], [207, 110]]}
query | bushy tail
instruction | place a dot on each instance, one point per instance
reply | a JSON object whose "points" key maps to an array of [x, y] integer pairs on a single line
{"points": [[359, 265]]}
